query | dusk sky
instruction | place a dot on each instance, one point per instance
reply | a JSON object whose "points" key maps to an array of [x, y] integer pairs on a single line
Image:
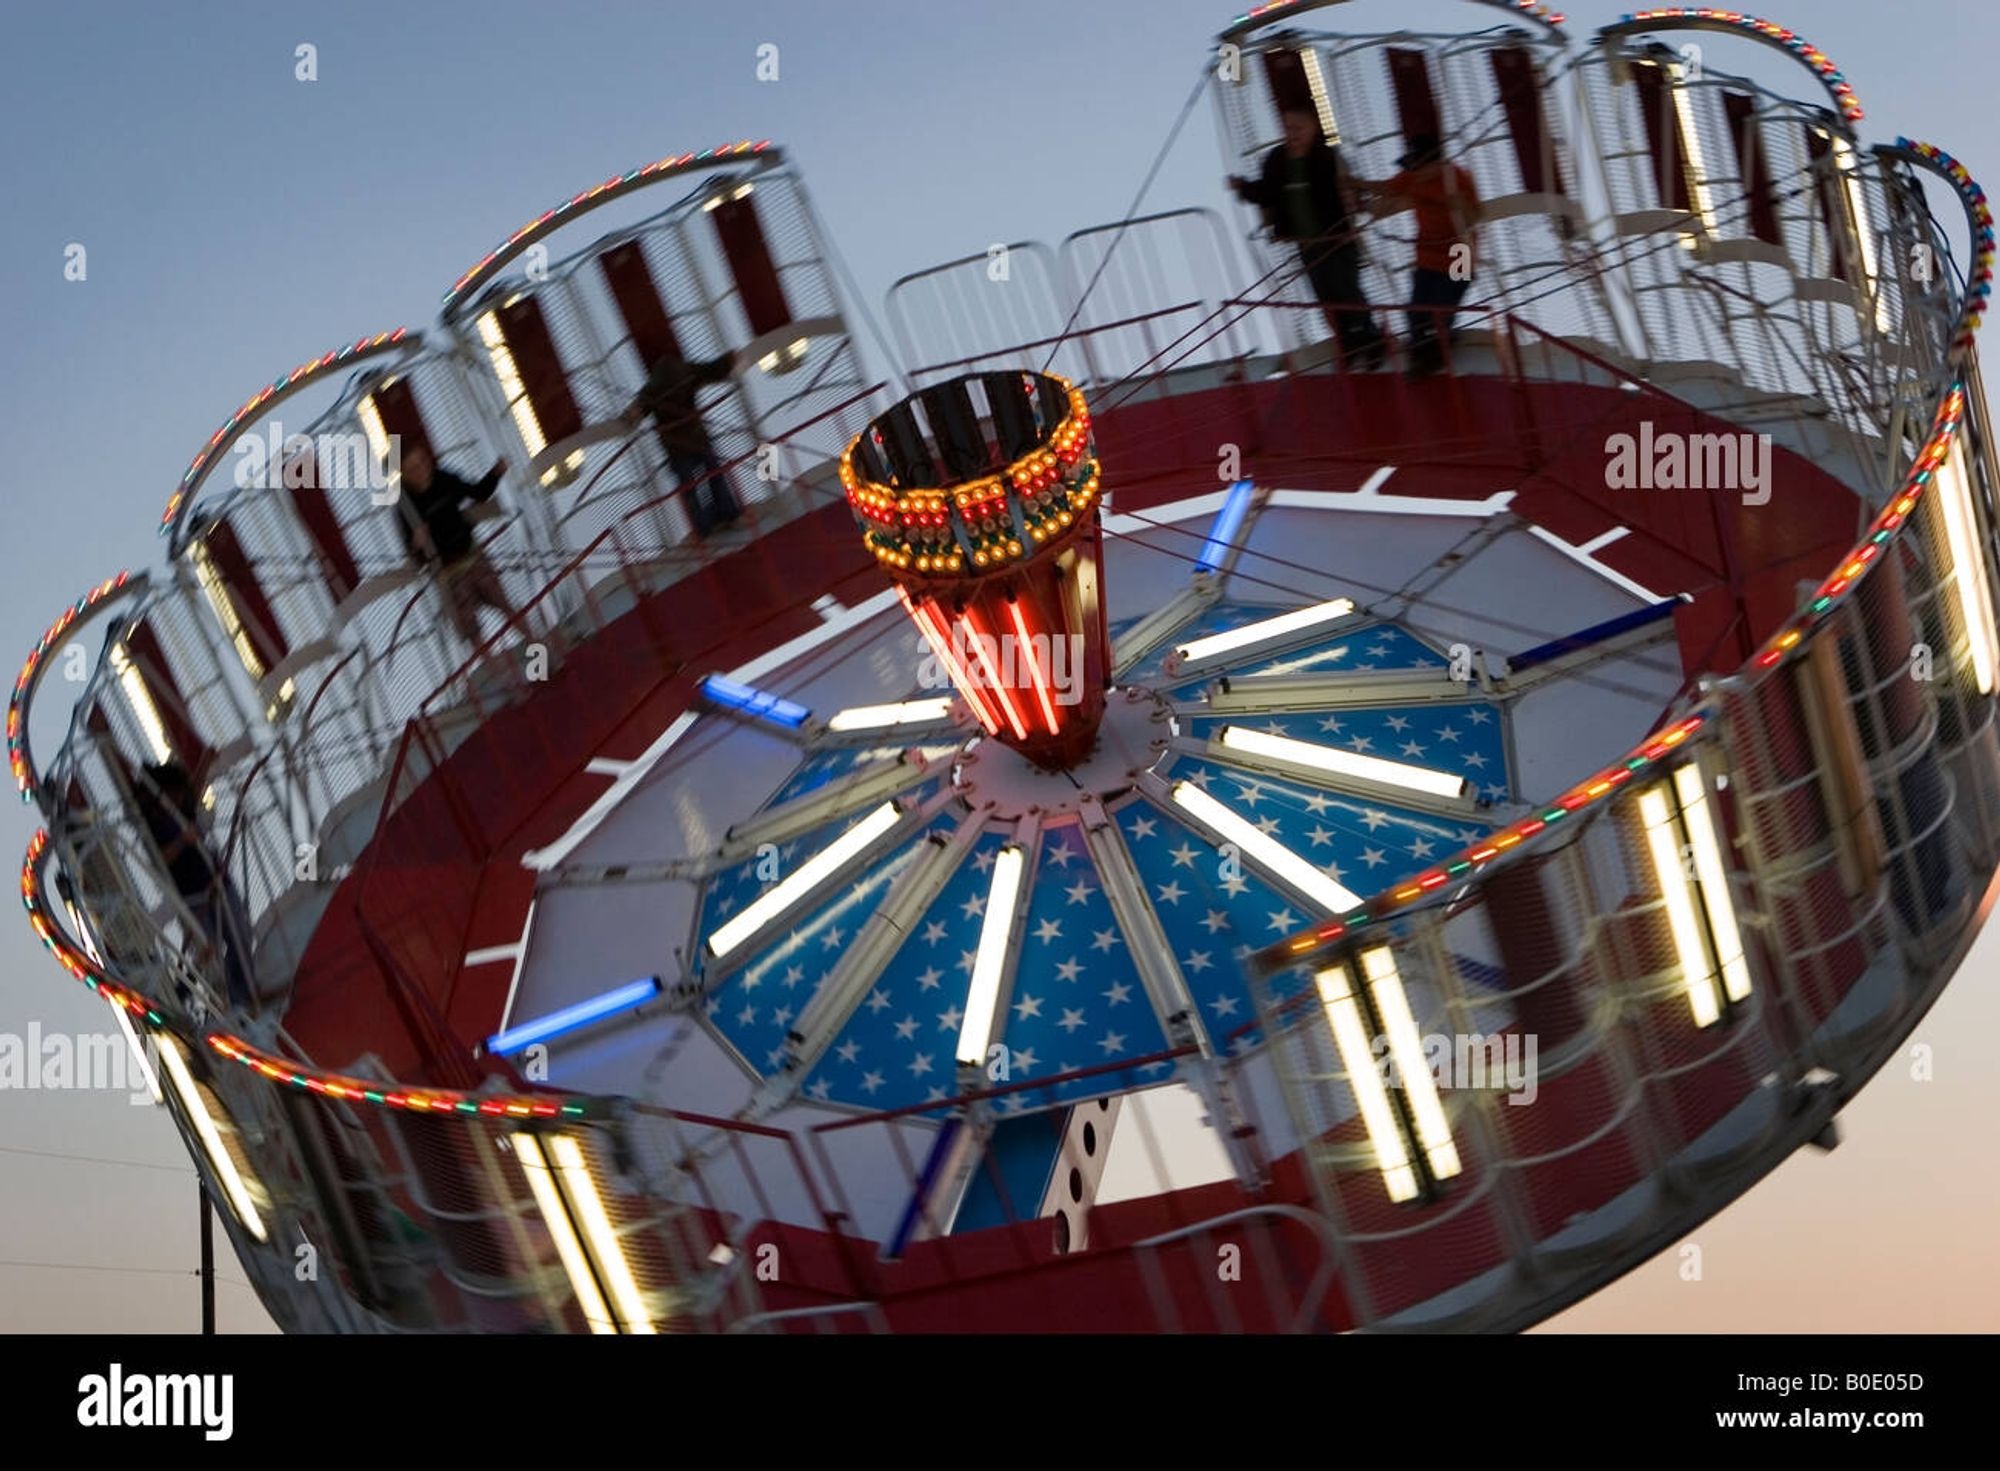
{"points": [[238, 221]]}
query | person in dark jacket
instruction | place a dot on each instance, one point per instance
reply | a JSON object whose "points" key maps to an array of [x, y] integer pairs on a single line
{"points": [[171, 809], [669, 396], [439, 536], [1303, 192]]}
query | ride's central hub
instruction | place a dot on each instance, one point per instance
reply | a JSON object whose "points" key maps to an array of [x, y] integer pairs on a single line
{"points": [[979, 497]]}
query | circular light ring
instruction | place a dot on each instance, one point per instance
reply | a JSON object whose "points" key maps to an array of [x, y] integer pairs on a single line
{"points": [[1735, 22], [1065, 465], [1978, 218], [337, 1086], [1279, 10], [19, 758], [555, 218], [299, 377]]}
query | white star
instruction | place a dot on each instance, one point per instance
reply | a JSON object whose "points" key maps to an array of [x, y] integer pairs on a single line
{"points": [[1026, 1061], [1474, 760], [906, 1029], [1068, 970], [848, 1050], [1317, 802], [1399, 723], [752, 979], [1079, 892], [1060, 853], [1411, 748], [1235, 884], [983, 859], [782, 1015], [936, 1095], [1119, 993], [1319, 837], [870, 1082], [1197, 961], [1497, 791], [1184, 856], [1223, 1006], [974, 904], [820, 1090], [1104, 940], [1283, 919], [1049, 929], [1362, 743], [1252, 793], [1374, 857], [951, 1021], [933, 932], [793, 975], [1111, 1042], [1170, 893], [920, 1064], [832, 938], [1477, 715], [1371, 819], [1216, 919], [1421, 848], [1028, 1006], [967, 959], [1268, 826], [746, 1016], [929, 978], [1071, 1020], [1449, 733], [1143, 827], [1331, 724]]}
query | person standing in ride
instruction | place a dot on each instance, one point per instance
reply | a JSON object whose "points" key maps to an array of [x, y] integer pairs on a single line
{"points": [[1446, 201], [670, 397], [1304, 192], [439, 536]]}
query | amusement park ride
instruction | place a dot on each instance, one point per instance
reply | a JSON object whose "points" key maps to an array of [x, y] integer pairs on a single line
{"points": [[1012, 862]]}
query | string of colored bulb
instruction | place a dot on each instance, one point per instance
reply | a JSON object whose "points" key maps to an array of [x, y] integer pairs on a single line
{"points": [[584, 199], [1979, 285], [17, 706], [1051, 484], [301, 375], [1764, 30], [279, 1070], [1533, 9]]}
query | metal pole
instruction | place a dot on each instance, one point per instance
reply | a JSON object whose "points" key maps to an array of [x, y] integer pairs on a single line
{"points": [[207, 1273]]}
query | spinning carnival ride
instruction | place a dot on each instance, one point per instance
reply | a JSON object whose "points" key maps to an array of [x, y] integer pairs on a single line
{"points": [[1011, 863]]}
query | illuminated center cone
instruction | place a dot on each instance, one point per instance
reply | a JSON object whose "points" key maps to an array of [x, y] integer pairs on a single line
{"points": [[980, 499]]}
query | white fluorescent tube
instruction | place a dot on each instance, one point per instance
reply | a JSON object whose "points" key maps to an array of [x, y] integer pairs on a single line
{"points": [[809, 876], [1265, 851], [982, 998], [1344, 763]]}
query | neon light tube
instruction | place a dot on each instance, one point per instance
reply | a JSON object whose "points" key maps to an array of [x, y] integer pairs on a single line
{"points": [[808, 877], [234, 1187], [1968, 567], [1264, 850], [141, 700], [756, 703], [1343, 763], [932, 629], [582, 1014], [1392, 1005], [602, 1239], [1707, 853], [1357, 1057], [555, 1215], [1694, 165], [977, 642], [1024, 651], [982, 998], [880, 717], [138, 1049], [1228, 523], [1657, 815], [1265, 630]]}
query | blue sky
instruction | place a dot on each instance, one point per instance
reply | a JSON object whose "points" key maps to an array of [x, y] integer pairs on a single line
{"points": [[238, 221]]}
